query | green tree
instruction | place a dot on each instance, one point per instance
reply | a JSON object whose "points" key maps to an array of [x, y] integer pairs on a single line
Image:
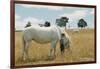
{"points": [[82, 23], [28, 24], [62, 21]]}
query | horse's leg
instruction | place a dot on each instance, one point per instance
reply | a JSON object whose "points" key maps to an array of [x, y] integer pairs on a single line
{"points": [[54, 51], [25, 50], [53, 48]]}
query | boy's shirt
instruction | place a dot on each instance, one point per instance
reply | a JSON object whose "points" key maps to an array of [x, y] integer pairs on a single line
{"points": [[62, 41]]}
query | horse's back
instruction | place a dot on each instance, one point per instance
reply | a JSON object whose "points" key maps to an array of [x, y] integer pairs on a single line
{"points": [[40, 34]]}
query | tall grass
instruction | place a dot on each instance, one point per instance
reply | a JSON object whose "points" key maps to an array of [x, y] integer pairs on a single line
{"points": [[82, 49]]}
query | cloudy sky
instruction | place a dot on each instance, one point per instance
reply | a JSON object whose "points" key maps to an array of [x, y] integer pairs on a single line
{"points": [[38, 14]]}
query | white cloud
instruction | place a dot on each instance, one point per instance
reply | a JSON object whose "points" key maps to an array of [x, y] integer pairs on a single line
{"points": [[17, 16], [75, 15], [42, 6], [20, 24], [92, 12]]}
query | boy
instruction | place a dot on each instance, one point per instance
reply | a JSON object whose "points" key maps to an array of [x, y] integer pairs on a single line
{"points": [[62, 44]]}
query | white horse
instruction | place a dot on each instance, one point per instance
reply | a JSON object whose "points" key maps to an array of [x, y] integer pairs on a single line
{"points": [[41, 35]]}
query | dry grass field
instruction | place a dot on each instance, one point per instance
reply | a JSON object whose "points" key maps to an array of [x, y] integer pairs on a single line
{"points": [[82, 49]]}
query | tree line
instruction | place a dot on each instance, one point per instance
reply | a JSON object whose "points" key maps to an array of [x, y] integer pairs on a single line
{"points": [[62, 23], [64, 20]]}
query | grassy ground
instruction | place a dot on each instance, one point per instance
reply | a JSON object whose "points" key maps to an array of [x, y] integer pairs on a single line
{"points": [[82, 49]]}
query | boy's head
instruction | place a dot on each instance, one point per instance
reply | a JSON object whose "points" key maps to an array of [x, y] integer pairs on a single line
{"points": [[62, 35]]}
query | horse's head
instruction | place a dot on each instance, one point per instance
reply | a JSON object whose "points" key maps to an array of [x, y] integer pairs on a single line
{"points": [[66, 40]]}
